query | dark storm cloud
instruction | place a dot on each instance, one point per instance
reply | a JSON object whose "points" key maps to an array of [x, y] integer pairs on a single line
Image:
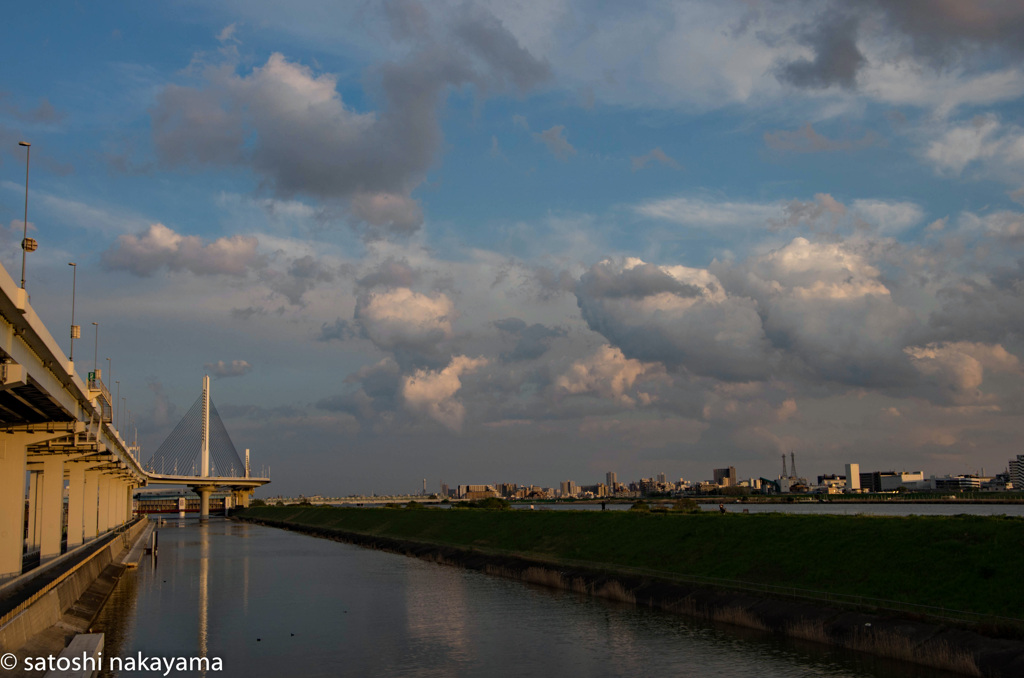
{"points": [[340, 330], [301, 276], [390, 273], [292, 127], [941, 29], [532, 341], [682, 323], [44, 113], [635, 283], [490, 41], [836, 56]]}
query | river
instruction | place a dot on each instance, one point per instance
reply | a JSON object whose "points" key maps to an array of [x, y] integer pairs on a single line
{"points": [[272, 603]]}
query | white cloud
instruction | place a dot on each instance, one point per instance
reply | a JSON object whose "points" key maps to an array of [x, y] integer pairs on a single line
{"points": [[554, 139], [221, 369], [712, 215], [432, 392], [160, 246], [960, 146], [957, 369], [402, 319], [809, 270], [908, 83], [890, 216], [676, 315], [1002, 224], [610, 374]]}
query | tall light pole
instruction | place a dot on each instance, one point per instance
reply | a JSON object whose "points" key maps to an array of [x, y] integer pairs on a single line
{"points": [[110, 371], [76, 331], [117, 400], [24, 237], [96, 349]]}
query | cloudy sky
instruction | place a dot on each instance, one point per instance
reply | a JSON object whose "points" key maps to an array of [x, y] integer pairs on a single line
{"points": [[531, 241]]}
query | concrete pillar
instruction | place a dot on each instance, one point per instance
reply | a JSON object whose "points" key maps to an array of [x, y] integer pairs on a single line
{"points": [[12, 506], [103, 504], [52, 507], [32, 536], [204, 502], [76, 504], [91, 505], [129, 508], [114, 501]]}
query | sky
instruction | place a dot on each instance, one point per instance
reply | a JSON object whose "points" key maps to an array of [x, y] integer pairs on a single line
{"points": [[531, 241]]}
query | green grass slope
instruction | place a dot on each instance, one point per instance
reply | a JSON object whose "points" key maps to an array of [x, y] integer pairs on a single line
{"points": [[964, 563]]}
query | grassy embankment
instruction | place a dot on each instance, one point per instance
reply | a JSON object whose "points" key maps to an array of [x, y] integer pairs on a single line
{"points": [[959, 562]]}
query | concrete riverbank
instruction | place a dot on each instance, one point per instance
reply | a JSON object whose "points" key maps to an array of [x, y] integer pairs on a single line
{"points": [[970, 647], [42, 611]]}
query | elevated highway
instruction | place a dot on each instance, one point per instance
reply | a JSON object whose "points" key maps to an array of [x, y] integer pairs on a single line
{"points": [[57, 428]]}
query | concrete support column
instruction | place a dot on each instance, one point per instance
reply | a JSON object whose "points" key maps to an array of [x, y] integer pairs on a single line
{"points": [[91, 505], [114, 501], [76, 504], [103, 504], [129, 490], [52, 505], [204, 502], [12, 506], [32, 536]]}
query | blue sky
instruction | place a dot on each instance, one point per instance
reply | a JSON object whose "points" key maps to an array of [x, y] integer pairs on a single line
{"points": [[532, 241]]}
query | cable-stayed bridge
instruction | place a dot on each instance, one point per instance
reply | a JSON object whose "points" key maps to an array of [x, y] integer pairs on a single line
{"points": [[199, 453]]}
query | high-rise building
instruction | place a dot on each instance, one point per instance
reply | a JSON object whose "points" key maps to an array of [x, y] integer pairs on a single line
{"points": [[725, 476], [853, 477], [1017, 471], [610, 480], [661, 478]]}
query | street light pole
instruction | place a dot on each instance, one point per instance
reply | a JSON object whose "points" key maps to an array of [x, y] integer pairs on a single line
{"points": [[96, 349], [117, 400], [76, 331], [24, 237]]}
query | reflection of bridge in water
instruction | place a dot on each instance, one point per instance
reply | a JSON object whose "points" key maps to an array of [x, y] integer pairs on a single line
{"points": [[201, 443]]}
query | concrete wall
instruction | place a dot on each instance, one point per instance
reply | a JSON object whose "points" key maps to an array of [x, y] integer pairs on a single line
{"points": [[46, 609]]}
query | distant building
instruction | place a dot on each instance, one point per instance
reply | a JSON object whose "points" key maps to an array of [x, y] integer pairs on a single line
{"points": [[725, 477], [661, 478], [611, 480], [957, 483], [569, 488], [477, 491], [890, 481], [853, 477], [1017, 471]]}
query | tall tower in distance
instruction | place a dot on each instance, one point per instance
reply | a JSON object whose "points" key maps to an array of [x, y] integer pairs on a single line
{"points": [[610, 480]]}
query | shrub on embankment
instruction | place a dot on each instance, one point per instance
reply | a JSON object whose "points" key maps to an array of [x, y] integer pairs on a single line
{"points": [[965, 563]]}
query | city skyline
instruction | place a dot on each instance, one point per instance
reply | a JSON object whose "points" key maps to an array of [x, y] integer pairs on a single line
{"points": [[533, 240]]}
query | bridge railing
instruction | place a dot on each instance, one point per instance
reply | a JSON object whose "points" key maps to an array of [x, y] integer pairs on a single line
{"points": [[96, 384]]}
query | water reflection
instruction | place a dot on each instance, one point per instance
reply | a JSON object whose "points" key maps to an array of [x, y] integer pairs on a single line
{"points": [[204, 584], [322, 608]]}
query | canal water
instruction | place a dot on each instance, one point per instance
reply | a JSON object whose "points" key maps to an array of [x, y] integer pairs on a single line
{"points": [[272, 603]]}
